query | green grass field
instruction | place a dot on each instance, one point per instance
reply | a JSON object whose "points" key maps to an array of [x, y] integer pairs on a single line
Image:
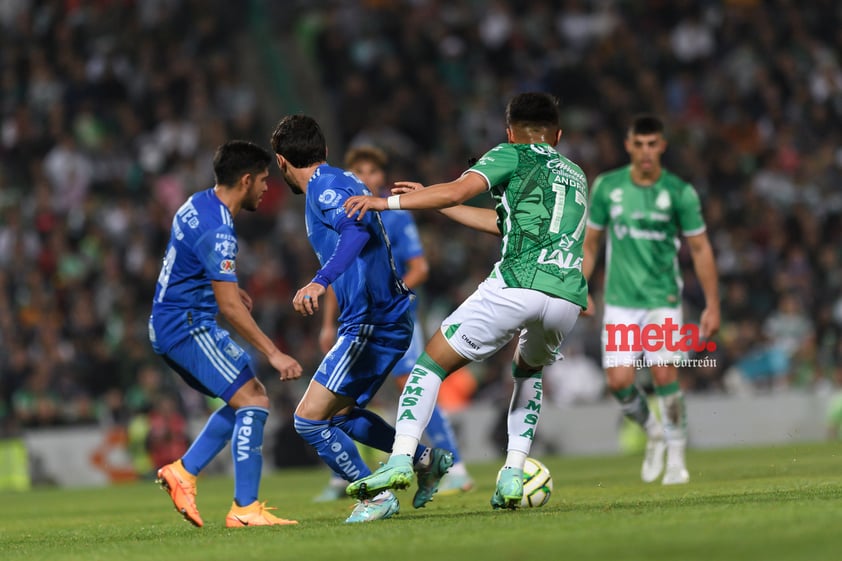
{"points": [[762, 503]]}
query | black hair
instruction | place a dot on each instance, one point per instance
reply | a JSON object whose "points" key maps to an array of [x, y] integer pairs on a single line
{"points": [[646, 123], [300, 140], [236, 158], [535, 109]]}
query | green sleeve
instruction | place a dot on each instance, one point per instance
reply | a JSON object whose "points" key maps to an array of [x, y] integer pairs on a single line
{"points": [[689, 212], [497, 165], [597, 209]]}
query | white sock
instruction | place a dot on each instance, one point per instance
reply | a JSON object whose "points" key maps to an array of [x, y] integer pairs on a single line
{"points": [[653, 427], [515, 459], [415, 407], [524, 411], [404, 445], [675, 452]]}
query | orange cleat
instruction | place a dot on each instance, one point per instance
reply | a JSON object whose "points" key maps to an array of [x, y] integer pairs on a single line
{"points": [[255, 514], [181, 485]]}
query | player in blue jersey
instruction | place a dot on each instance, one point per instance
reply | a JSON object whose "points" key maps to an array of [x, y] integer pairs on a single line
{"points": [[375, 320], [198, 280], [368, 163]]}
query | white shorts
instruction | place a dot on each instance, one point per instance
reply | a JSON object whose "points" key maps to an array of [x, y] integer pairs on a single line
{"points": [[494, 313], [627, 318]]}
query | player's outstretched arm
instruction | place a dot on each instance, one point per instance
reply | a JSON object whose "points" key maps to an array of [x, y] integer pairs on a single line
{"points": [[705, 266], [232, 307], [441, 195], [482, 219]]}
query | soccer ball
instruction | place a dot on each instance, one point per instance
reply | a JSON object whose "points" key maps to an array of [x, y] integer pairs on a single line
{"points": [[537, 483]]}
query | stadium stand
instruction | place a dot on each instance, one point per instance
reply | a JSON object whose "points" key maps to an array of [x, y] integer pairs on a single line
{"points": [[110, 111]]}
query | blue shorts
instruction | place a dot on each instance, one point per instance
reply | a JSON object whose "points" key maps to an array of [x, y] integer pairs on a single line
{"points": [[362, 358], [407, 362], [210, 361]]}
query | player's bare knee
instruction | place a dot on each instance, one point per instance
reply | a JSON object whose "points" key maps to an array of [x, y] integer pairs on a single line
{"points": [[252, 394], [619, 378], [525, 367], [663, 375]]}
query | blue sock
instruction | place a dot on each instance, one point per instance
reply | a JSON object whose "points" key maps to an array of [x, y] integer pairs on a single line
{"points": [[211, 440], [366, 427], [334, 447], [369, 428], [247, 450], [441, 434]]}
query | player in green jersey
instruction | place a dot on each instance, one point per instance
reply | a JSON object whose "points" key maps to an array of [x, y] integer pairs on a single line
{"points": [[643, 209], [535, 290]]}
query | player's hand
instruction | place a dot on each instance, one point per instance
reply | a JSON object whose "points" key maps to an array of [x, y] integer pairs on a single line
{"points": [[591, 311], [327, 338], [402, 187], [362, 204], [709, 322], [246, 299], [306, 300], [287, 367]]}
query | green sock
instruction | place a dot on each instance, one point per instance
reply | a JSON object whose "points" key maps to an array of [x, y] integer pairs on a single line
{"points": [[633, 404]]}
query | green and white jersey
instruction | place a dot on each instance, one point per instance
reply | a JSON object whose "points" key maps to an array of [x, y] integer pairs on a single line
{"points": [[643, 226], [542, 200]]}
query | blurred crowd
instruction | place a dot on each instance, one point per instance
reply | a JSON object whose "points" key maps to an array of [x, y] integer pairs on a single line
{"points": [[110, 111], [751, 93]]}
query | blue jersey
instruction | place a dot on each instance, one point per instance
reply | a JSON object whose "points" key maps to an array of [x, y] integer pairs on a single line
{"points": [[202, 248], [370, 291]]}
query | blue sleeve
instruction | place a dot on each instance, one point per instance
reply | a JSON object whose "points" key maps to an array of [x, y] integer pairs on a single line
{"points": [[217, 251], [353, 236]]}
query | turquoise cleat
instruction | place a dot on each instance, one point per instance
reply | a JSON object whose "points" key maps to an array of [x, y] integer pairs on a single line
{"points": [[396, 473], [430, 477], [509, 491], [384, 505]]}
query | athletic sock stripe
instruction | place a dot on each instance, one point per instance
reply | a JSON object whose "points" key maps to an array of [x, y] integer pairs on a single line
{"points": [[203, 339], [307, 426], [253, 408]]}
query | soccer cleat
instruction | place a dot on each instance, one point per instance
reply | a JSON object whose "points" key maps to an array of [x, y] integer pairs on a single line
{"points": [[430, 476], [255, 514], [653, 461], [384, 505], [181, 486], [452, 484], [509, 491], [330, 493], [676, 475], [394, 474]]}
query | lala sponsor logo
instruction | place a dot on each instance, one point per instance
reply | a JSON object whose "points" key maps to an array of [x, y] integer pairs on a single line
{"points": [[227, 266]]}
